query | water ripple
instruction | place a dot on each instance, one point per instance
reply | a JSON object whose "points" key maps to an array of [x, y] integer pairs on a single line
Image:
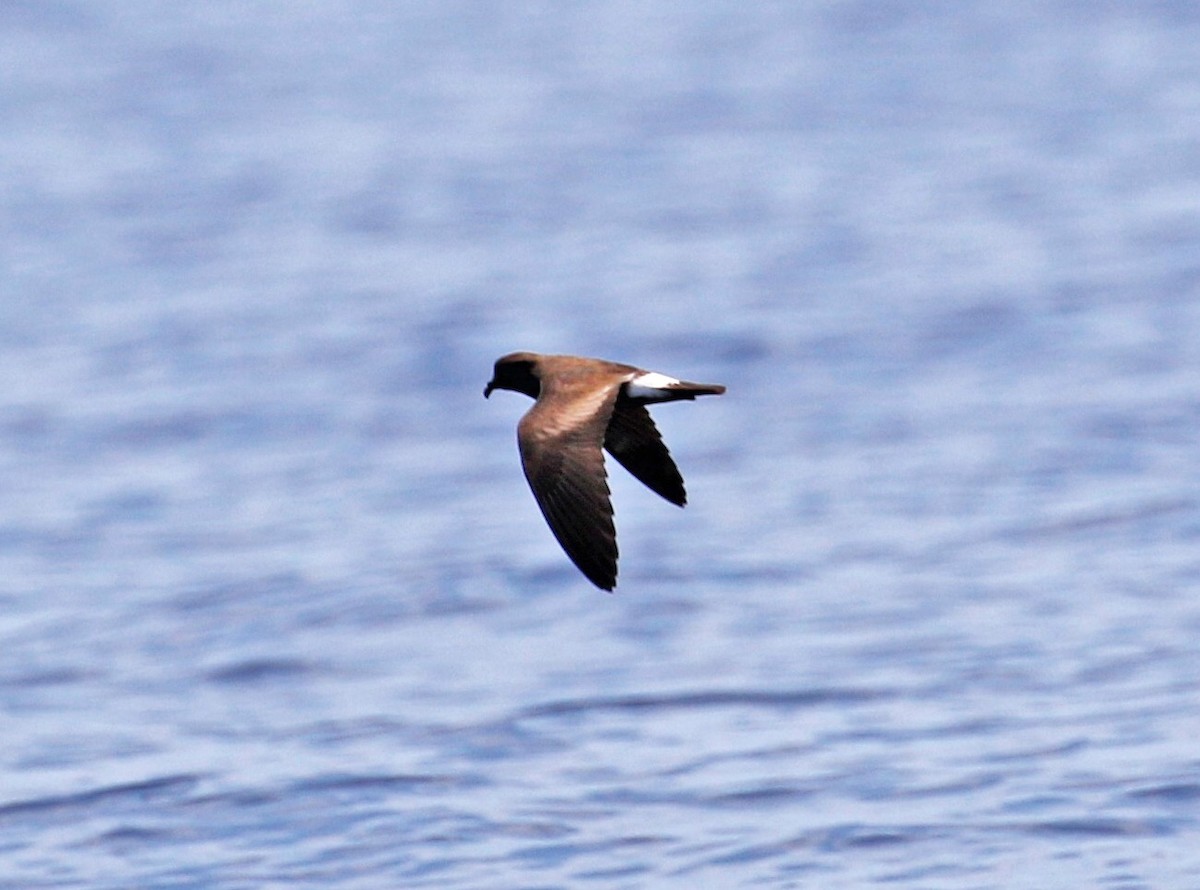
{"points": [[787, 700], [113, 798]]}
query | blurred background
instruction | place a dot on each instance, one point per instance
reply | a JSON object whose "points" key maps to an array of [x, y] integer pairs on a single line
{"points": [[276, 606]]}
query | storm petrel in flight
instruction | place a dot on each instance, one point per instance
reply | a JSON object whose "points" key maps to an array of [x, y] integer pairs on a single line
{"points": [[583, 405]]}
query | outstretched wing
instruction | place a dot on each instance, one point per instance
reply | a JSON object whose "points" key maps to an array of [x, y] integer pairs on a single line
{"points": [[560, 439], [634, 440]]}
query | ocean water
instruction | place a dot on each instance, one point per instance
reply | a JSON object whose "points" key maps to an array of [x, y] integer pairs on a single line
{"points": [[276, 606]]}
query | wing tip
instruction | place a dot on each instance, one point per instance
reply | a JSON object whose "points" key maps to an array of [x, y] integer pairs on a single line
{"points": [[606, 581]]}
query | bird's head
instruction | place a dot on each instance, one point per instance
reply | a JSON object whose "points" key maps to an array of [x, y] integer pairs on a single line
{"points": [[515, 371]]}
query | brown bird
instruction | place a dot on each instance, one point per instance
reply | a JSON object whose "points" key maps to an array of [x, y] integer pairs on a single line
{"points": [[583, 405]]}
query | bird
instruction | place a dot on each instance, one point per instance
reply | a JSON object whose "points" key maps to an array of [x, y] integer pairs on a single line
{"points": [[584, 405]]}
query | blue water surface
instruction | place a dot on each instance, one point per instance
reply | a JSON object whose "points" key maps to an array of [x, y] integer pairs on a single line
{"points": [[276, 607]]}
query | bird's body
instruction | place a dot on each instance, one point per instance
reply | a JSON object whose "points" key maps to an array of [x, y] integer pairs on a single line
{"points": [[584, 405]]}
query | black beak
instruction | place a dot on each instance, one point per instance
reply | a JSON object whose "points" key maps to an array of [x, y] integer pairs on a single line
{"points": [[487, 390]]}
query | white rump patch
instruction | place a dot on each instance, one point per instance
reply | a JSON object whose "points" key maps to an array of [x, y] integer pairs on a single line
{"points": [[650, 386]]}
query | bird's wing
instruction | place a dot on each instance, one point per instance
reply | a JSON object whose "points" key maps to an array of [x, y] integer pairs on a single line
{"points": [[560, 439], [634, 440]]}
